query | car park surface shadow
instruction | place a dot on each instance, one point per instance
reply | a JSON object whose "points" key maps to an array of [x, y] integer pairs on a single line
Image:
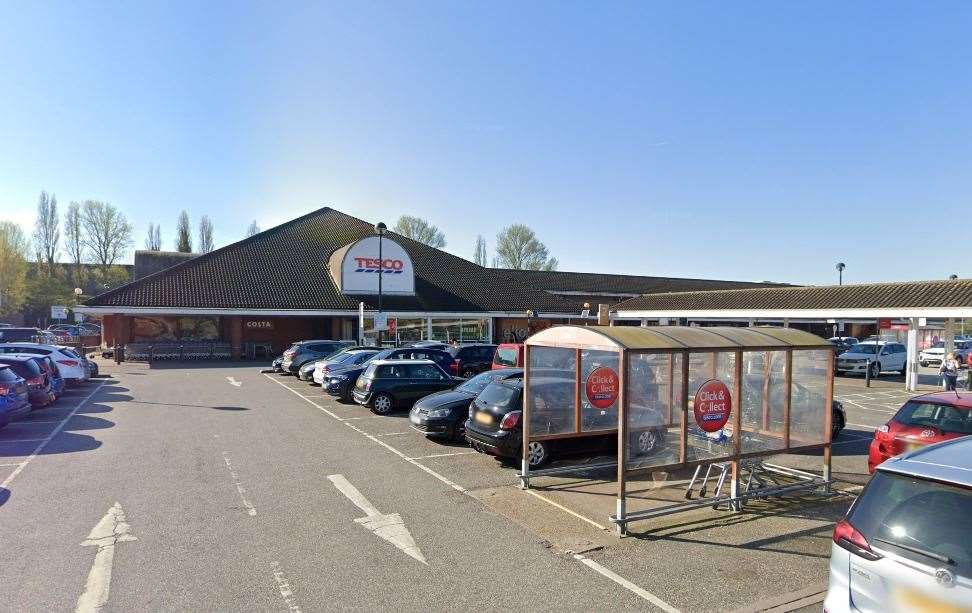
{"points": [[190, 406], [850, 442]]}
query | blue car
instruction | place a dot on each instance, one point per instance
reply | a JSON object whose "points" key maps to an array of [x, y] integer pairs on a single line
{"points": [[38, 383], [14, 402]]}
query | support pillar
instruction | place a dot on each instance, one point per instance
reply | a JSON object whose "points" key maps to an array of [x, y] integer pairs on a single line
{"points": [[911, 374], [949, 336], [236, 337]]}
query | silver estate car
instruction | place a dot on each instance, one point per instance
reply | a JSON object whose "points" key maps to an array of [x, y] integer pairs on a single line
{"points": [[906, 542]]}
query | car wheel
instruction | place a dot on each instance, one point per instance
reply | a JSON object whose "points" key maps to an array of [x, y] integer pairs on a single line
{"points": [[875, 370], [383, 404], [538, 453], [646, 442], [837, 425]]}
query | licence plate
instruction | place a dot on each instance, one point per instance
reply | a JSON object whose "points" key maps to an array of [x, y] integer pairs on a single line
{"points": [[484, 418]]}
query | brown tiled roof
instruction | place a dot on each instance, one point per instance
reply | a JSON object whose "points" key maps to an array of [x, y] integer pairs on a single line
{"points": [[285, 268], [912, 294]]}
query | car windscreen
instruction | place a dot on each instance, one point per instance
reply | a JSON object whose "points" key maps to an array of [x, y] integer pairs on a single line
{"points": [[500, 396], [921, 520], [944, 417], [869, 348], [506, 356], [480, 381]]}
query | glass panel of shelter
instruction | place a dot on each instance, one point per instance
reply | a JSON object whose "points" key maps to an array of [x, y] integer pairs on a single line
{"points": [[551, 392]]}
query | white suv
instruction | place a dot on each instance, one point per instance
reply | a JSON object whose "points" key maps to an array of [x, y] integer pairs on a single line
{"points": [[906, 542], [882, 356], [936, 353], [72, 367]]}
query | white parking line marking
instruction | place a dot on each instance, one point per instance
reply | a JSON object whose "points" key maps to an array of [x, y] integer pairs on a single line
{"points": [[12, 464], [613, 576], [110, 530], [55, 432], [394, 433], [444, 455], [250, 509], [566, 510], [284, 586], [863, 426], [296, 393], [234, 382]]}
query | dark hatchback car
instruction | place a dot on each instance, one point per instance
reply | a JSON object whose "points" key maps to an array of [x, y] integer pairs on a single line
{"points": [[38, 383], [495, 427], [387, 385], [470, 360], [340, 382], [443, 414], [304, 351], [14, 402]]}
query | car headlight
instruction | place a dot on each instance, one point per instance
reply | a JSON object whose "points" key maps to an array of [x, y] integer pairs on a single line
{"points": [[338, 379], [439, 413]]}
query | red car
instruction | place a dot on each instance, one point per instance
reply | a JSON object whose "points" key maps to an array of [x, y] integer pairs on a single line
{"points": [[923, 420], [508, 355]]}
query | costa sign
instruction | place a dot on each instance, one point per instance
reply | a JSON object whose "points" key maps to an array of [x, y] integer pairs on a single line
{"points": [[357, 267], [713, 405], [603, 387]]}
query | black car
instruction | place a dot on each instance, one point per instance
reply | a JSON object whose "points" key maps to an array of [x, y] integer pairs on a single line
{"points": [[495, 426], [304, 351], [39, 390], [444, 414], [470, 360], [387, 385], [340, 382], [13, 335]]}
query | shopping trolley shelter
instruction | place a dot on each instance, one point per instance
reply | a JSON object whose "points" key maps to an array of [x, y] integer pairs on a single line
{"points": [[719, 400]]}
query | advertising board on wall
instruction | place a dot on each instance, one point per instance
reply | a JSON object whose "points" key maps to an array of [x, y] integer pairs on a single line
{"points": [[356, 268]]}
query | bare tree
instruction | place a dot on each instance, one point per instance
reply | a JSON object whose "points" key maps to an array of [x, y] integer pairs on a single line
{"points": [[205, 234], [74, 242], [480, 254], [47, 234], [13, 267], [517, 247], [153, 240], [107, 233], [253, 229], [183, 233], [420, 230]]}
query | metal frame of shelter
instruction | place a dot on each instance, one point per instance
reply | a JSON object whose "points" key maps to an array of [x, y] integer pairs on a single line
{"points": [[783, 359]]}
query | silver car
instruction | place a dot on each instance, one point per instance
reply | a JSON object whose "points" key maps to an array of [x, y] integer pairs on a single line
{"points": [[906, 542]]}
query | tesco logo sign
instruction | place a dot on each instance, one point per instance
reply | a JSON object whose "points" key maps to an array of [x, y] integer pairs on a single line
{"points": [[389, 266]]}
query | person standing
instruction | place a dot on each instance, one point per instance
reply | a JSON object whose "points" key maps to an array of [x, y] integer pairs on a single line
{"points": [[950, 372]]}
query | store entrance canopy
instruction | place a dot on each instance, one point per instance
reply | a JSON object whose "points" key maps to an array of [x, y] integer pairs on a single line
{"points": [[677, 397]]}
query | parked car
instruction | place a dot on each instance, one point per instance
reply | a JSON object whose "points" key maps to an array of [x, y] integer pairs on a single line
{"points": [[38, 384], [883, 356], [508, 355], [341, 382], [904, 544], [443, 414], [470, 360], [495, 426], [72, 367], [842, 343], [387, 385], [303, 351], [14, 401], [936, 353], [277, 364], [354, 356], [922, 420], [11, 334]]}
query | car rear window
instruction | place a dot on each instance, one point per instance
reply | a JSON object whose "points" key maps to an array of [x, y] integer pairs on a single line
{"points": [[506, 356], [27, 369], [500, 396], [7, 375], [70, 353], [916, 519], [944, 417]]}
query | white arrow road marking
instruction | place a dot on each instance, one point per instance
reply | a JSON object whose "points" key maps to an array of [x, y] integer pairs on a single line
{"points": [[110, 530], [390, 527], [234, 382]]}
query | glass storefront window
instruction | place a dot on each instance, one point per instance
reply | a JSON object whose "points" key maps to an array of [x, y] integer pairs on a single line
{"points": [[446, 330], [411, 329]]}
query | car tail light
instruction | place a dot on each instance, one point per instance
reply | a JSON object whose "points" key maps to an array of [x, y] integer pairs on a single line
{"points": [[454, 368], [69, 363], [847, 537], [5, 389], [289, 353], [510, 420]]}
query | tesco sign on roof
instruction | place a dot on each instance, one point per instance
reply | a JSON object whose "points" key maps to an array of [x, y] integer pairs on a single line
{"points": [[356, 268]]}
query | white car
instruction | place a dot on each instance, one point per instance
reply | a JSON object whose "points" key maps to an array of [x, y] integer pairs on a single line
{"points": [[73, 368], [936, 353], [905, 543], [879, 356]]}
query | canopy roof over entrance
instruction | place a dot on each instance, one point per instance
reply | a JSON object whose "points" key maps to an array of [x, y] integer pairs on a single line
{"points": [[613, 338], [951, 298]]}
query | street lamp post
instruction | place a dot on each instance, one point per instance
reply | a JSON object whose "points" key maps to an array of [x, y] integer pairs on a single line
{"points": [[840, 272], [380, 228]]}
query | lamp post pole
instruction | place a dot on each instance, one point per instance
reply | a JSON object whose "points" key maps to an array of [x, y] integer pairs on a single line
{"points": [[380, 228]]}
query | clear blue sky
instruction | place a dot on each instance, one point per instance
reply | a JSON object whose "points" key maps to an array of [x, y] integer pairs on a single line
{"points": [[723, 140]]}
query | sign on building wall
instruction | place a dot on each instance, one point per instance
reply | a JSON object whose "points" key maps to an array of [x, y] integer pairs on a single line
{"points": [[258, 324], [356, 268]]}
